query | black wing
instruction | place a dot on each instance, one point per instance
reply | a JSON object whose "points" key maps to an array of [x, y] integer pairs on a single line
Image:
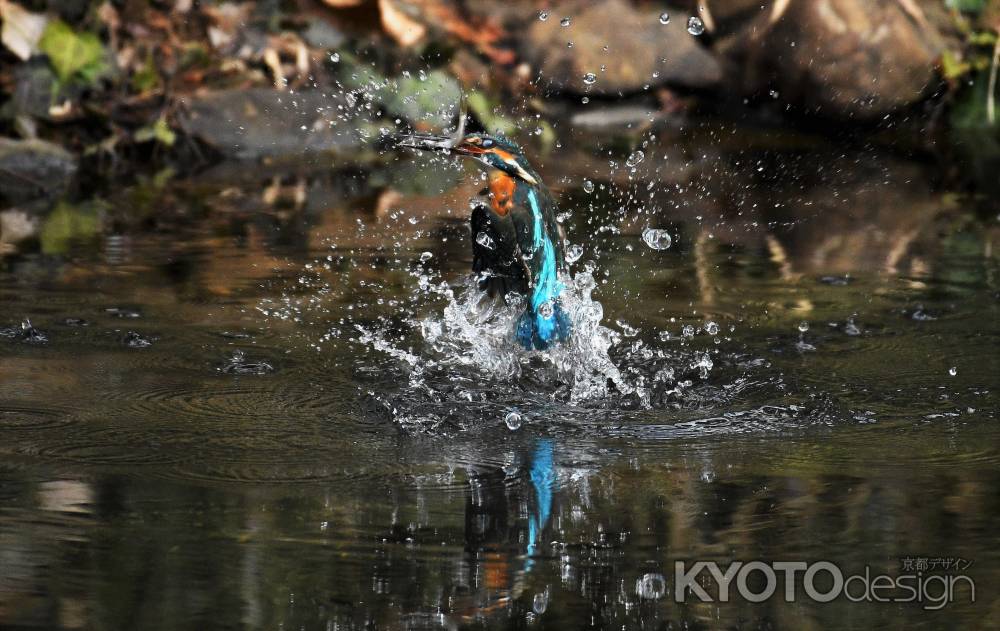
{"points": [[496, 258]]}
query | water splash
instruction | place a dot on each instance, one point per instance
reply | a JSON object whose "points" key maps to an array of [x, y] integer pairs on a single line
{"points": [[462, 360]]}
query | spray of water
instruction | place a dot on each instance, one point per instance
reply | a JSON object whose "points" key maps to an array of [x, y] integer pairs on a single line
{"points": [[474, 335]]}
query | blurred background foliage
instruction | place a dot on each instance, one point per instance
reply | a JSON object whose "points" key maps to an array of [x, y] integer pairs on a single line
{"points": [[127, 86]]}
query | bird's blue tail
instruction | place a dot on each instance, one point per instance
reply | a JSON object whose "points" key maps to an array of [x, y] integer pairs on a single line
{"points": [[535, 331]]}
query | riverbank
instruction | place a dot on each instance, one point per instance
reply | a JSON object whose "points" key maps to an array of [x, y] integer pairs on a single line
{"points": [[102, 91]]}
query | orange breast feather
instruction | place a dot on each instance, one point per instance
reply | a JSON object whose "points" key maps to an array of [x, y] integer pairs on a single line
{"points": [[501, 192]]}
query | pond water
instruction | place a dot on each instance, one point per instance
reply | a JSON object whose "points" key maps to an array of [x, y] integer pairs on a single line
{"points": [[262, 400]]}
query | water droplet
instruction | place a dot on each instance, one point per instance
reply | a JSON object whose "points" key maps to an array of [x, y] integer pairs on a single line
{"points": [[590, 78], [627, 329], [335, 57], [134, 340], [656, 239], [953, 371], [425, 256], [695, 26], [543, 15], [635, 158], [851, 328], [514, 301], [585, 100], [803, 327], [687, 331], [664, 18], [651, 587], [574, 253], [546, 309], [564, 22], [774, 94], [711, 328], [704, 365], [513, 421], [540, 602], [588, 186], [484, 240]]}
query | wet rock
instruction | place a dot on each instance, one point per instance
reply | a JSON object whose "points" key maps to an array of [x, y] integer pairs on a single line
{"points": [[34, 168], [841, 58], [36, 90], [615, 117], [638, 47], [264, 123], [320, 33]]}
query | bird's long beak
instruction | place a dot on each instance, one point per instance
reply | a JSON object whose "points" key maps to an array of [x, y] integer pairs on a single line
{"points": [[425, 142], [432, 142]]}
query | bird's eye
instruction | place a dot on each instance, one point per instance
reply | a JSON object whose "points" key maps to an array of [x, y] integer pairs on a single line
{"points": [[487, 142]]}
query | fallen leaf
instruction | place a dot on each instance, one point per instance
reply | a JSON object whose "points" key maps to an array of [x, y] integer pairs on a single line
{"points": [[404, 29], [159, 131], [72, 54], [22, 29], [484, 34]]}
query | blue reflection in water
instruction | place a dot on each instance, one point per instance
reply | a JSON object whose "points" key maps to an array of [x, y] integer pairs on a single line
{"points": [[542, 479]]}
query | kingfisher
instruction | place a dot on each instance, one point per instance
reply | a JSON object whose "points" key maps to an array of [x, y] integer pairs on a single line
{"points": [[518, 245]]}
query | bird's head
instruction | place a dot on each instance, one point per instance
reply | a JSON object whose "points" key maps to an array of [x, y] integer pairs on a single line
{"points": [[495, 152]]}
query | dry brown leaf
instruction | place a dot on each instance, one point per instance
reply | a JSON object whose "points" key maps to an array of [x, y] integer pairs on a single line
{"points": [[404, 29], [779, 9], [915, 12], [483, 35], [22, 29], [273, 61], [343, 4]]}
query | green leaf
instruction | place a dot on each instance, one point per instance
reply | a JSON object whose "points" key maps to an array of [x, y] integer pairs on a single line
{"points": [[966, 6], [159, 131], [72, 55], [952, 67], [66, 224], [146, 78], [983, 38], [486, 112], [431, 99]]}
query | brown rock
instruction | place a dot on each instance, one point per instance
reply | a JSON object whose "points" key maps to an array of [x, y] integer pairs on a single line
{"points": [[845, 58], [638, 46]]}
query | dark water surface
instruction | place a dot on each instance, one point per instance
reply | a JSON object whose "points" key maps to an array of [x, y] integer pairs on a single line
{"points": [[235, 422]]}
